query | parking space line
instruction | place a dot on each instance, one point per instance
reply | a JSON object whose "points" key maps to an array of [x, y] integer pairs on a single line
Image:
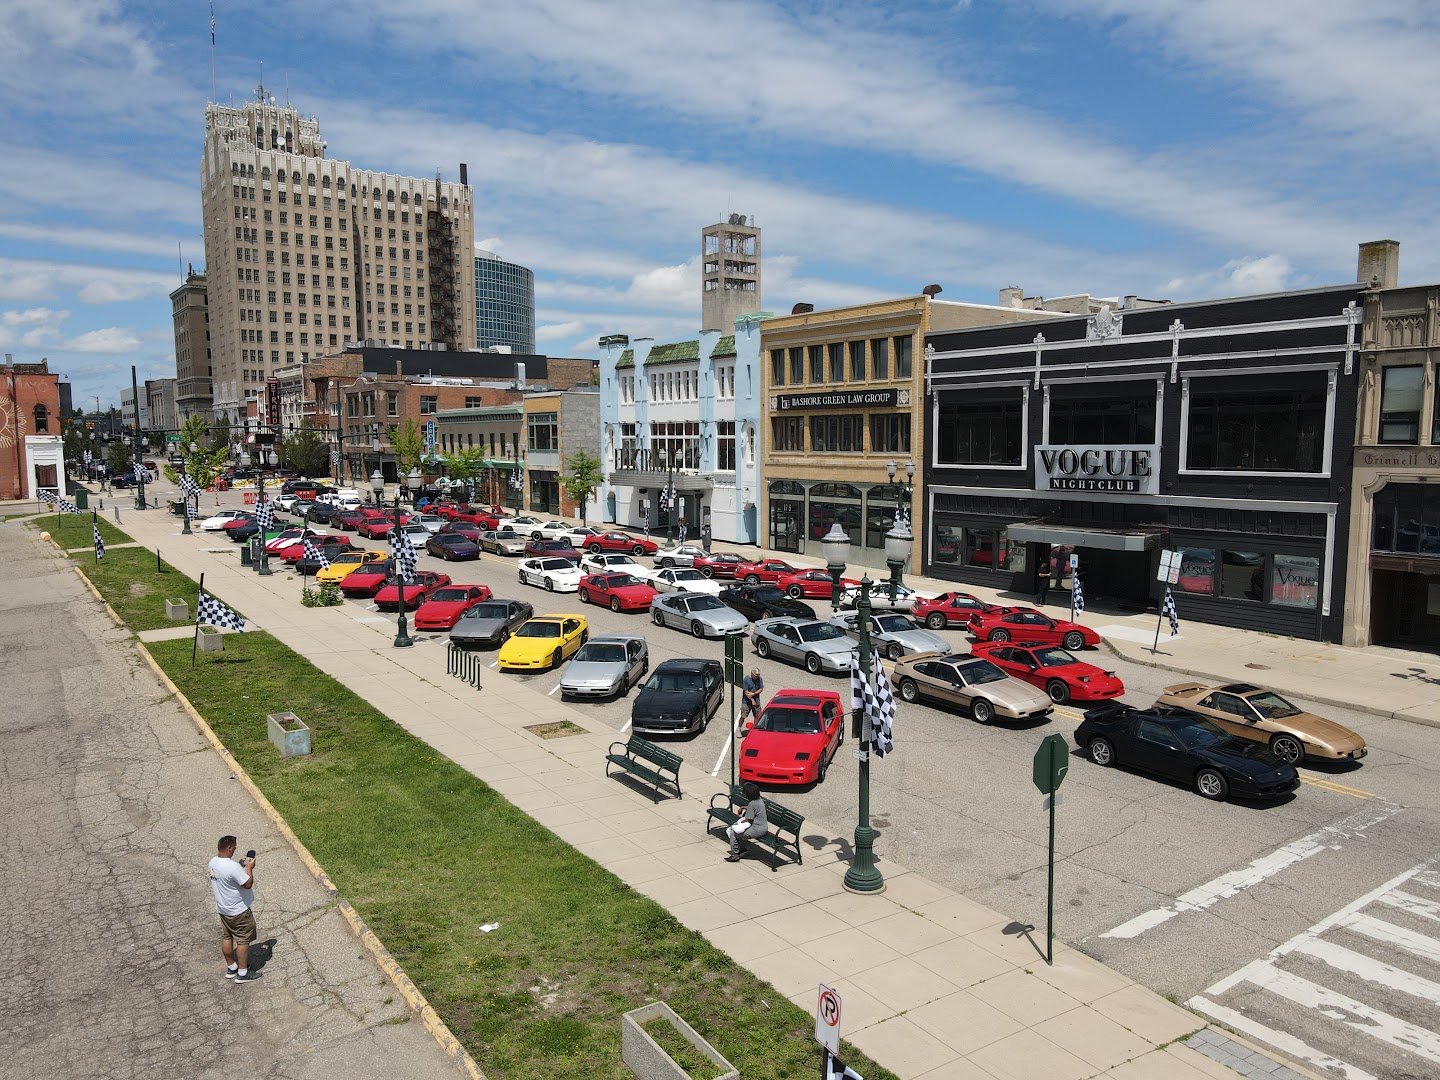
{"points": [[551, 691], [1336, 789]]}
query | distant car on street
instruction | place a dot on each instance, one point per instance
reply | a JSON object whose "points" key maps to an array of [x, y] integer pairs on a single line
{"points": [[817, 646], [618, 592]]}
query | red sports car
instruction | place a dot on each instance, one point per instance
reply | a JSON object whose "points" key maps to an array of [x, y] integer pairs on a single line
{"points": [[416, 592], [467, 529], [476, 516], [295, 552], [951, 609], [349, 520], [365, 580], [811, 584], [1053, 670], [719, 564], [292, 537], [619, 541], [770, 571], [797, 736], [379, 526], [621, 592], [1027, 624], [450, 509], [443, 608]]}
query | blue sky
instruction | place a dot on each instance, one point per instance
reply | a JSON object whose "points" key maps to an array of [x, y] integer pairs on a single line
{"points": [[1169, 148]]}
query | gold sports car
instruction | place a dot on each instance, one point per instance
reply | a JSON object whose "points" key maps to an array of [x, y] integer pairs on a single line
{"points": [[1253, 712]]}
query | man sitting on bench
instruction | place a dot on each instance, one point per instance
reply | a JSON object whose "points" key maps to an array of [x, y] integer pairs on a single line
{"points": [[752, 822]]}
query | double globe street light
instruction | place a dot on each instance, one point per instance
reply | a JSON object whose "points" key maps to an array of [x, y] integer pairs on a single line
{"points": [[262, 458], [413, 480]]}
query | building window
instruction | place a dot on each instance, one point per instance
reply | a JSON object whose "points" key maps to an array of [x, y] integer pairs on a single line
{"points": [[787, 433], [890, 433], [42, 419], [1078, 418], [543, 431], [777, 367], [837, 434], [473, 402], [1258, 430], [1400, 391], [797, 366], [725, 446], [837, 362], [817, 364], [392, 405], [880, 358], [981, 432], [904, 347], [857, 361], [1407, 519], [831, 503]]}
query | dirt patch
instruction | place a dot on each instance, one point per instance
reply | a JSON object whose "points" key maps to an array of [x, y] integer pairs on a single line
{"points": [[557, 730], [139, 588]]}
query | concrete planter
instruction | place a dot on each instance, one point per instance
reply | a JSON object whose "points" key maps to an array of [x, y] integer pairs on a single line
{"points": [[211, 640], [647, 1060], [177, 610], [288, 733]]}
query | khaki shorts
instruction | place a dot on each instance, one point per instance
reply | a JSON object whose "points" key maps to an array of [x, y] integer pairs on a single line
{"points": [[239, 928]]}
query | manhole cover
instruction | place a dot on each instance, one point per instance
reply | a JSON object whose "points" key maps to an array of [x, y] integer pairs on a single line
{"points": [[1259, 667]]}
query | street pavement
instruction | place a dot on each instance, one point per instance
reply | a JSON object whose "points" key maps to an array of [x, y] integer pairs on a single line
{"points": [[110, 808]]}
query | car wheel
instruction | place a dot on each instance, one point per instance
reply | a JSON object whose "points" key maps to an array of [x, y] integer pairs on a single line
{"points": [[1210, 784], [594, 549], [824, 768], [812, 663], [1058, 691], [697, 628], [1288, 748], [762, 647], [935, 621], [638, 549], [1101, 752], [707, 571], [657, 617], [555, 659], [665, 564], [504, 635], [583, 596], [793, 592], [1074, 641], [752, 579], [549, 584], [895, 650], [909, 690], [982, 711], [584, 636], [999, 635]]}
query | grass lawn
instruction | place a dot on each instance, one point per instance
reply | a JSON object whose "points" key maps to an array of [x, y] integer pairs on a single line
{"points": [[427, 852], [74, 530]]}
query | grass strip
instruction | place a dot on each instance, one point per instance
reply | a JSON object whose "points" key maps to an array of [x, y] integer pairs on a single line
{"points": [[74, 530], [427, 852]]}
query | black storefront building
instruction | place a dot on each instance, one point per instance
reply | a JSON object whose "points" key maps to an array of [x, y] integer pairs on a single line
{"points": [[1222, 430]]}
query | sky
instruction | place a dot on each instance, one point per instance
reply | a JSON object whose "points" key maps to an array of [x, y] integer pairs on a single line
{"points": [[1179, 149]]}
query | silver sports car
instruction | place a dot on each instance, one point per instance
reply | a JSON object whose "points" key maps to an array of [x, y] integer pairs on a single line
{"points": [[489, 623], [893, 634], [605, 667], [701, 614], [819, 646]]}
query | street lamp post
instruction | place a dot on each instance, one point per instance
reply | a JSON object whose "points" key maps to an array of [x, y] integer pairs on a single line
{"points": [[836, 548], [863, 875], [900, 540], [261, 459], [667, 458], [185, 508]]}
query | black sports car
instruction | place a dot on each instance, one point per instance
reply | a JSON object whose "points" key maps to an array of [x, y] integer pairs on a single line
{"points": [[679, 697], [1180, 745], [308, 566], [764, 602]]}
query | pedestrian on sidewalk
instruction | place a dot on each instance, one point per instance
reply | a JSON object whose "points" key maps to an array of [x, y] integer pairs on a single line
{"points": [[233, 883], [1042, 580], [751, 687], [752, 823]]}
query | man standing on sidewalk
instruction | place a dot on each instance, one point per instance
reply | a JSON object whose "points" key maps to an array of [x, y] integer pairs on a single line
{"points": [[751, 688], [233, 884]]}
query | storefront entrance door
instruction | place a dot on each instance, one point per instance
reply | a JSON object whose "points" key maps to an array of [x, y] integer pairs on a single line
{"points": [[785, 526], [1405, 609]]}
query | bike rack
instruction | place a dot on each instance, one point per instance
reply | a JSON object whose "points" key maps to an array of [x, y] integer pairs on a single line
{"points": [[463, 664]]}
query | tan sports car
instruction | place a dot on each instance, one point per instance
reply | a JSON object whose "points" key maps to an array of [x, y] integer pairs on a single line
{"points": [[1252, 712], [971, 682]]}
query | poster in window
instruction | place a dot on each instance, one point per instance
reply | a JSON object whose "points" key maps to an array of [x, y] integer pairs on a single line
{"points": [[1295, 581], [1197, 571]]}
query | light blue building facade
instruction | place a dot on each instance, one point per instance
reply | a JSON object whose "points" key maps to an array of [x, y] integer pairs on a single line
{"points": [[504, 304]]}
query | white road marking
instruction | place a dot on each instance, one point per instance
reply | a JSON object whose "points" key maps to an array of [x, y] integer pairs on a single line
{"points": [[1236, 881], [551, 692], [726, 748], [1415, 905], [1281, 1040], [1427, 948], [625, 727], [494, 663], [1371, 970]]}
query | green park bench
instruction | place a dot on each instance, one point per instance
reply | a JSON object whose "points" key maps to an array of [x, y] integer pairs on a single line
{"points": [[782, 820], [644, 759]]}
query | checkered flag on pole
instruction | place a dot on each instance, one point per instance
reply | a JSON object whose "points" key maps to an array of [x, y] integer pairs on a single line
{"points": [[402, 554], [835, 1069], [1077, 593], [667, 493], [190, 510], [86, 457], [99, 544], [65, 506], [264, 513], [334, 458], [517, 480], [313, 554], [46, 495], [211, 612], [189, 486], [882, 715], [139, 471], [1169, 611]]}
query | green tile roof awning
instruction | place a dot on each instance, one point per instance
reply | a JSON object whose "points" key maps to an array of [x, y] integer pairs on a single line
{"points": [[677, 352]]}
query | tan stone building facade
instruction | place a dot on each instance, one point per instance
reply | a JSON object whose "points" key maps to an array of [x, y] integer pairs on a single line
{"points": [[306, 253], [1394, 555], [190, 309]]}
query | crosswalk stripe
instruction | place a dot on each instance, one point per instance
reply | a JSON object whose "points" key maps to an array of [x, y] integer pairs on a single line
{"points": [[1415, 905], [1427, 948], [1371, 970], [1283, 1041]]}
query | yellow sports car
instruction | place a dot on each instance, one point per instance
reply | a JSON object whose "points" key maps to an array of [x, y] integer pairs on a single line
{"points": [[543, 642], [346, 562]]}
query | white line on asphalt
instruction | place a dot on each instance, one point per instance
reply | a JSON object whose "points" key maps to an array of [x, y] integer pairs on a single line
{"points": [[1281, 1040], [724, 749], [1415, 905], [494, 663], [551, 691], [1236, 881], [1427, 948], [625, 727], [1371, 970]]}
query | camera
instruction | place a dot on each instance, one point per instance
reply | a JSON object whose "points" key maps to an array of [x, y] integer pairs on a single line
{"points": [[250, 855]]}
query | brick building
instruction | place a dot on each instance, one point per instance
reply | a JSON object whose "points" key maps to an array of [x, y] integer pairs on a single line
{"points": [[31, 452]]}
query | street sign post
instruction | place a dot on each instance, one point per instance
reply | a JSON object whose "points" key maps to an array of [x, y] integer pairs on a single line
{"points": [[735, 676], [1052, 762], [827, 1019], [1168, 574]]}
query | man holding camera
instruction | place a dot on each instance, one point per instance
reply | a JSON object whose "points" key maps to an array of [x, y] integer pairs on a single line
{"points": [[233, 884]]}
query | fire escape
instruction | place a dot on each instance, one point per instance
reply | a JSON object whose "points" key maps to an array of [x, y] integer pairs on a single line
{"points": [[440, 233]]}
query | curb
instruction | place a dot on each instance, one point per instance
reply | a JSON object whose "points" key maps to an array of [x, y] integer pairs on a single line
{"points": [[407, 989], [1422, 721]]}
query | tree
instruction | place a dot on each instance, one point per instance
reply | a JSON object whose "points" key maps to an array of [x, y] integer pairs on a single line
{"points": [[119, 457], [306, 451], [466, 464], [408, 442], [219, 433], [583, 478], [203, 464]]}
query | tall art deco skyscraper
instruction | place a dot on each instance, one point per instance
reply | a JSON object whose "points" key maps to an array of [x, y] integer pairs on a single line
{"points": [[304, 253]]}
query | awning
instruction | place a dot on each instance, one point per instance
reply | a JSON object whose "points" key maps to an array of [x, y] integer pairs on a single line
{"points": [[1082, 536]]}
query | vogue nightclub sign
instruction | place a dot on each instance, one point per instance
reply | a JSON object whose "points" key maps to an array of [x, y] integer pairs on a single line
{"points": [[1129, 470]]}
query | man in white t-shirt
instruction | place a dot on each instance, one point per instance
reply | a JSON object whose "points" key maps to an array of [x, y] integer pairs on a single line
{"points": [[233, 884]]}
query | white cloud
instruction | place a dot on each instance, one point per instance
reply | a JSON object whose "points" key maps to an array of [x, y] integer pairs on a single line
{"points": [[26, 280], [100, 239], [31, 328], [109, 339], [1248, 276], [548, 332]]}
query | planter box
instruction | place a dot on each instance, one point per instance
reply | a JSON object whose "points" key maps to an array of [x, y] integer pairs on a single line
{"points": [[211, 640], [647, 1060], [177, 610], [290, 736]]}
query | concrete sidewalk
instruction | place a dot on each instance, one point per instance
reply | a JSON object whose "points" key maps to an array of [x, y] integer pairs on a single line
{"points": [[934, 985]]}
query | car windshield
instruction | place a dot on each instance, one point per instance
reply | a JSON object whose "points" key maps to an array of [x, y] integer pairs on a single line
{"points": [[687, 575], [1271, 705], [601, 653], [620, 581], [1198, 734], [1054, 657], [820, 632], [705, 603], [488, 611], [539, 629], [452, 539], [790, 721], [449, 594], [980, 671], [895, 624], [675, 681], [556, 564]]}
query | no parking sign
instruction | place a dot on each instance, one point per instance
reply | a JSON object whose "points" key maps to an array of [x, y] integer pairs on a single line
{"points": [[827, 1019]]}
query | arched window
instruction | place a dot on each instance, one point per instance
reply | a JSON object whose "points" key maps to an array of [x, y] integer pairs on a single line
{"points": [[42, 418], [265, 173], [325, 182], [295, 176]]}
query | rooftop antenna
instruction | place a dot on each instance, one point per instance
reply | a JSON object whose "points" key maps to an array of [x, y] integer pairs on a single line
{"points": [[212, 50], [287, 89], [260, 90]]}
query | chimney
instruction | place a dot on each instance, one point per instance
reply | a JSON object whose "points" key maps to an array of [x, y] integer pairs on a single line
{"points": [[1379, 263], [1011, 295]]}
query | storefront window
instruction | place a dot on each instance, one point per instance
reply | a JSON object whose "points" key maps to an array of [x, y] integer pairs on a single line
{"points": [[880, 503], [1197, 571], [1295, 581], [1407, 519], [837, 434], [1242, 575], [824, 513], [980, 432], [1117, 419], [1259, 430], [785, 518], [1400, 404], [948, 542]]}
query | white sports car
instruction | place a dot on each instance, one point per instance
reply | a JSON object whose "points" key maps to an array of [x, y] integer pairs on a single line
{"points": [[602, 562], [685, 579], [554, 575], [220, 520]]}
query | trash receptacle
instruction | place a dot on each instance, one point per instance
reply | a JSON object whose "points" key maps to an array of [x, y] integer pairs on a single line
{"points": [[256, 543], [245, 555], [82, 498]]}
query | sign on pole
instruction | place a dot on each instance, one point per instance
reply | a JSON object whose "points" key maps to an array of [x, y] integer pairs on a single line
{"points": [[429, 436], [1169, 571], [827, 1019], [1052, 762], [735, 658]]}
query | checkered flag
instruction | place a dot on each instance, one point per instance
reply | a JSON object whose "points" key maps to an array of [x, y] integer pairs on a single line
{"points": [[334, 458], [264, 514], [189, 486], [46, 495], [86, 457], [1077, 593], [835, 1069], [99, 545], [139, 471], [190, 510], [65, 506], [402, 554], [313, 554], [517, 480], [881, 718], [211, 612], [1168, 609], [667, 495]]}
